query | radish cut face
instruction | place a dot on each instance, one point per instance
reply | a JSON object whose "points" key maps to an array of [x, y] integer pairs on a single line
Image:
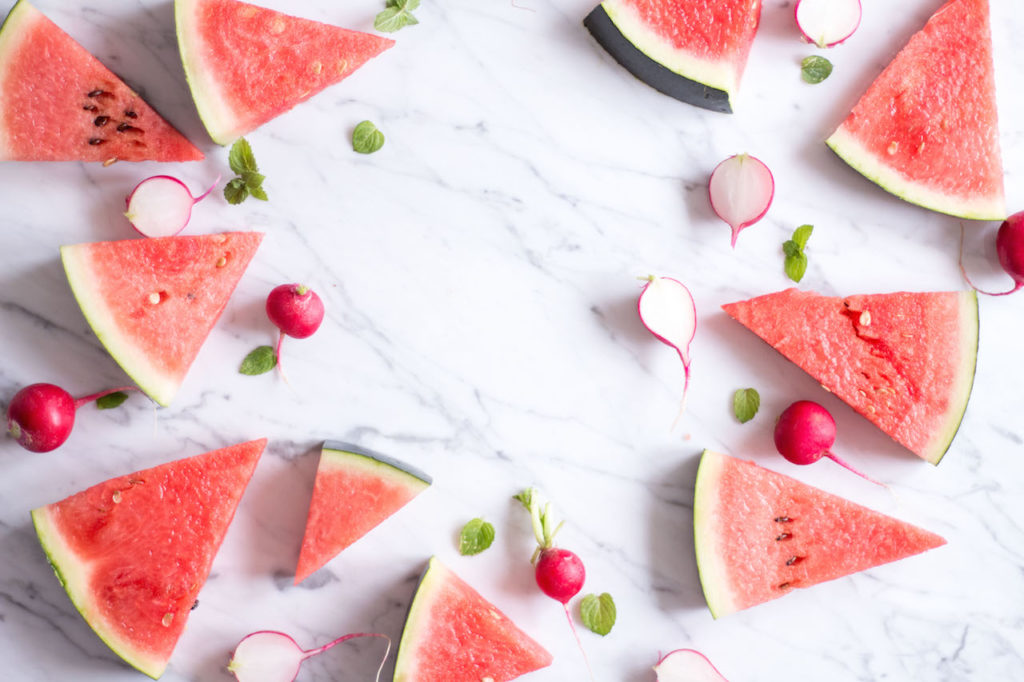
{"points": [[266, 657], [687, 665], [741, 190], [667, 309], [160, 206], [827, 23]]}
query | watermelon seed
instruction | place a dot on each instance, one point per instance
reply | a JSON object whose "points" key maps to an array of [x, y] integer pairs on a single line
{"points": [[894, 147], [195, 605], [96, 141], [91, 107], [94, 93], [125, 127], [784, 586], [110, 162], [794, 560], [782, 519], [222, 261], [783, 536], [100, 121], [116, 497], [131, 114], [167, 619], [865, 318]]}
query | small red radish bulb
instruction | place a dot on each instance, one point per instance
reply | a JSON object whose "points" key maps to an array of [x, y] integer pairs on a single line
{"points": [[296, 310], [161, 206], [826, 23], [1009, 250], [268, 656], [805, 433], [741, 190], [667, 310], [686, 665], [40, 416]]}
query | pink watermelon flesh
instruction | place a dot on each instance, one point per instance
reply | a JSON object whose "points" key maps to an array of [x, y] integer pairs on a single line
{"points": [[927, 128], [152, 302], [133, 552], [904, 360], [693, 51], [59, 103], [248, 64], [759, 534], [355, 490], [452, 633]]}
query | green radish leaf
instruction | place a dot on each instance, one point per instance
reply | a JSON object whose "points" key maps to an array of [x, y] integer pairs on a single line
{"points": [[598, 613], [235, 191], [366, 139], [476, 536], [745, 404], [111, 400], [241, 158], [260, 361], [815, 69]]}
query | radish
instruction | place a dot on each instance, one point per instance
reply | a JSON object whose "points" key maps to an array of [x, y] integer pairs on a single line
{"points": [[40, 416], [686, 665], [667, 310], [804, 433], [826, 23], [1009, 250], [160, 206], [296, 310], [268, 656], [741, 190]]}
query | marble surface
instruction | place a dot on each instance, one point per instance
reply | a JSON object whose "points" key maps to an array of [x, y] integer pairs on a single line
{"points": [[480, 274]]}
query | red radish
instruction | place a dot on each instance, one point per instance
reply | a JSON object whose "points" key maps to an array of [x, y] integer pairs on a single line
{"points": [[296, 310], [686, 665], [741, 190], [160, 206], [804, 433], [667, 310], [269, 656], [827, 23], [40, 416], [1010, 251]]}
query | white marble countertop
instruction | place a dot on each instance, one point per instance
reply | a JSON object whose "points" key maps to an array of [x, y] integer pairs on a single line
{"points": [[480, 276]]}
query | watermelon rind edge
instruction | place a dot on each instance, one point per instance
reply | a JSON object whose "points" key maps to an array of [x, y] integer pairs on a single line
{"points": [[710, 567], [10, 37], [970, 335], [857, 156], [160, 389], [670, 71], [358, 450], [73, 579], [218, 119], [418, 606]]}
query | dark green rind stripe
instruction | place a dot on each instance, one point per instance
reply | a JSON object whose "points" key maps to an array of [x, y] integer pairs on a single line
{"points": [[937, 457], [649, 71]]}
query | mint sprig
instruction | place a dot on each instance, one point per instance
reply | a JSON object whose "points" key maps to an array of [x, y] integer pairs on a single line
{"points": [[259, 361], [249, 180], [815, 69], [396, 15], [598, 613], [745, 404], [796, 260], [366, 139], [476, 536]]}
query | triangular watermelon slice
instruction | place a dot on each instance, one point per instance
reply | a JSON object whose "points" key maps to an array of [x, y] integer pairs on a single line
{"points": [[354, 491], [904, 360], [133, 552], [759, 534], [59, 103], [927, 129], [452, 633], [152, 302], [248, 64], [693, 50]]}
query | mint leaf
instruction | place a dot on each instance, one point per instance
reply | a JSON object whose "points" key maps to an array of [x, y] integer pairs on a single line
{"points": [[796, 266], [249, 181], [111, 400], [366, 139], [235, 191], [259, 361], [598, 613], [258, 193], [476, 536], [796, 261], [802, 234], [815, 69], [745, 403], [397, 14], [241, 158]]}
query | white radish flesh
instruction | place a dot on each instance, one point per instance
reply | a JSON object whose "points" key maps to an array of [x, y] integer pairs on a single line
{"points": [[160, 206], [741, 190], [827, 23], [268, 656], [687, 665], [667, 309]]}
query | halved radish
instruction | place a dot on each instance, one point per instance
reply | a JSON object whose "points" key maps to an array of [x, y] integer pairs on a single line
{"points": [[741, 190], [827, 23], [686, 665], [667, 309], [269, 656], [160, 206]]}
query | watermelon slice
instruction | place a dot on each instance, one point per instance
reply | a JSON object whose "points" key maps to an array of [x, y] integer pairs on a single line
{"points": [[354, 491], [926, 129], [152, 302], [133, 552], [59, 103], [759, 534], [247, 64], [452, 633], [904, 360], [693, 50]]}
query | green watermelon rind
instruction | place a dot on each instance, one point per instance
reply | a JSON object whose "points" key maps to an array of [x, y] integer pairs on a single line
{"points": [[710, 565], [74, 579], [356, 455], [217, 116], [871, 166], [12, 35], [419, 612], [718, 75], [960, 392], [154, 383]]}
